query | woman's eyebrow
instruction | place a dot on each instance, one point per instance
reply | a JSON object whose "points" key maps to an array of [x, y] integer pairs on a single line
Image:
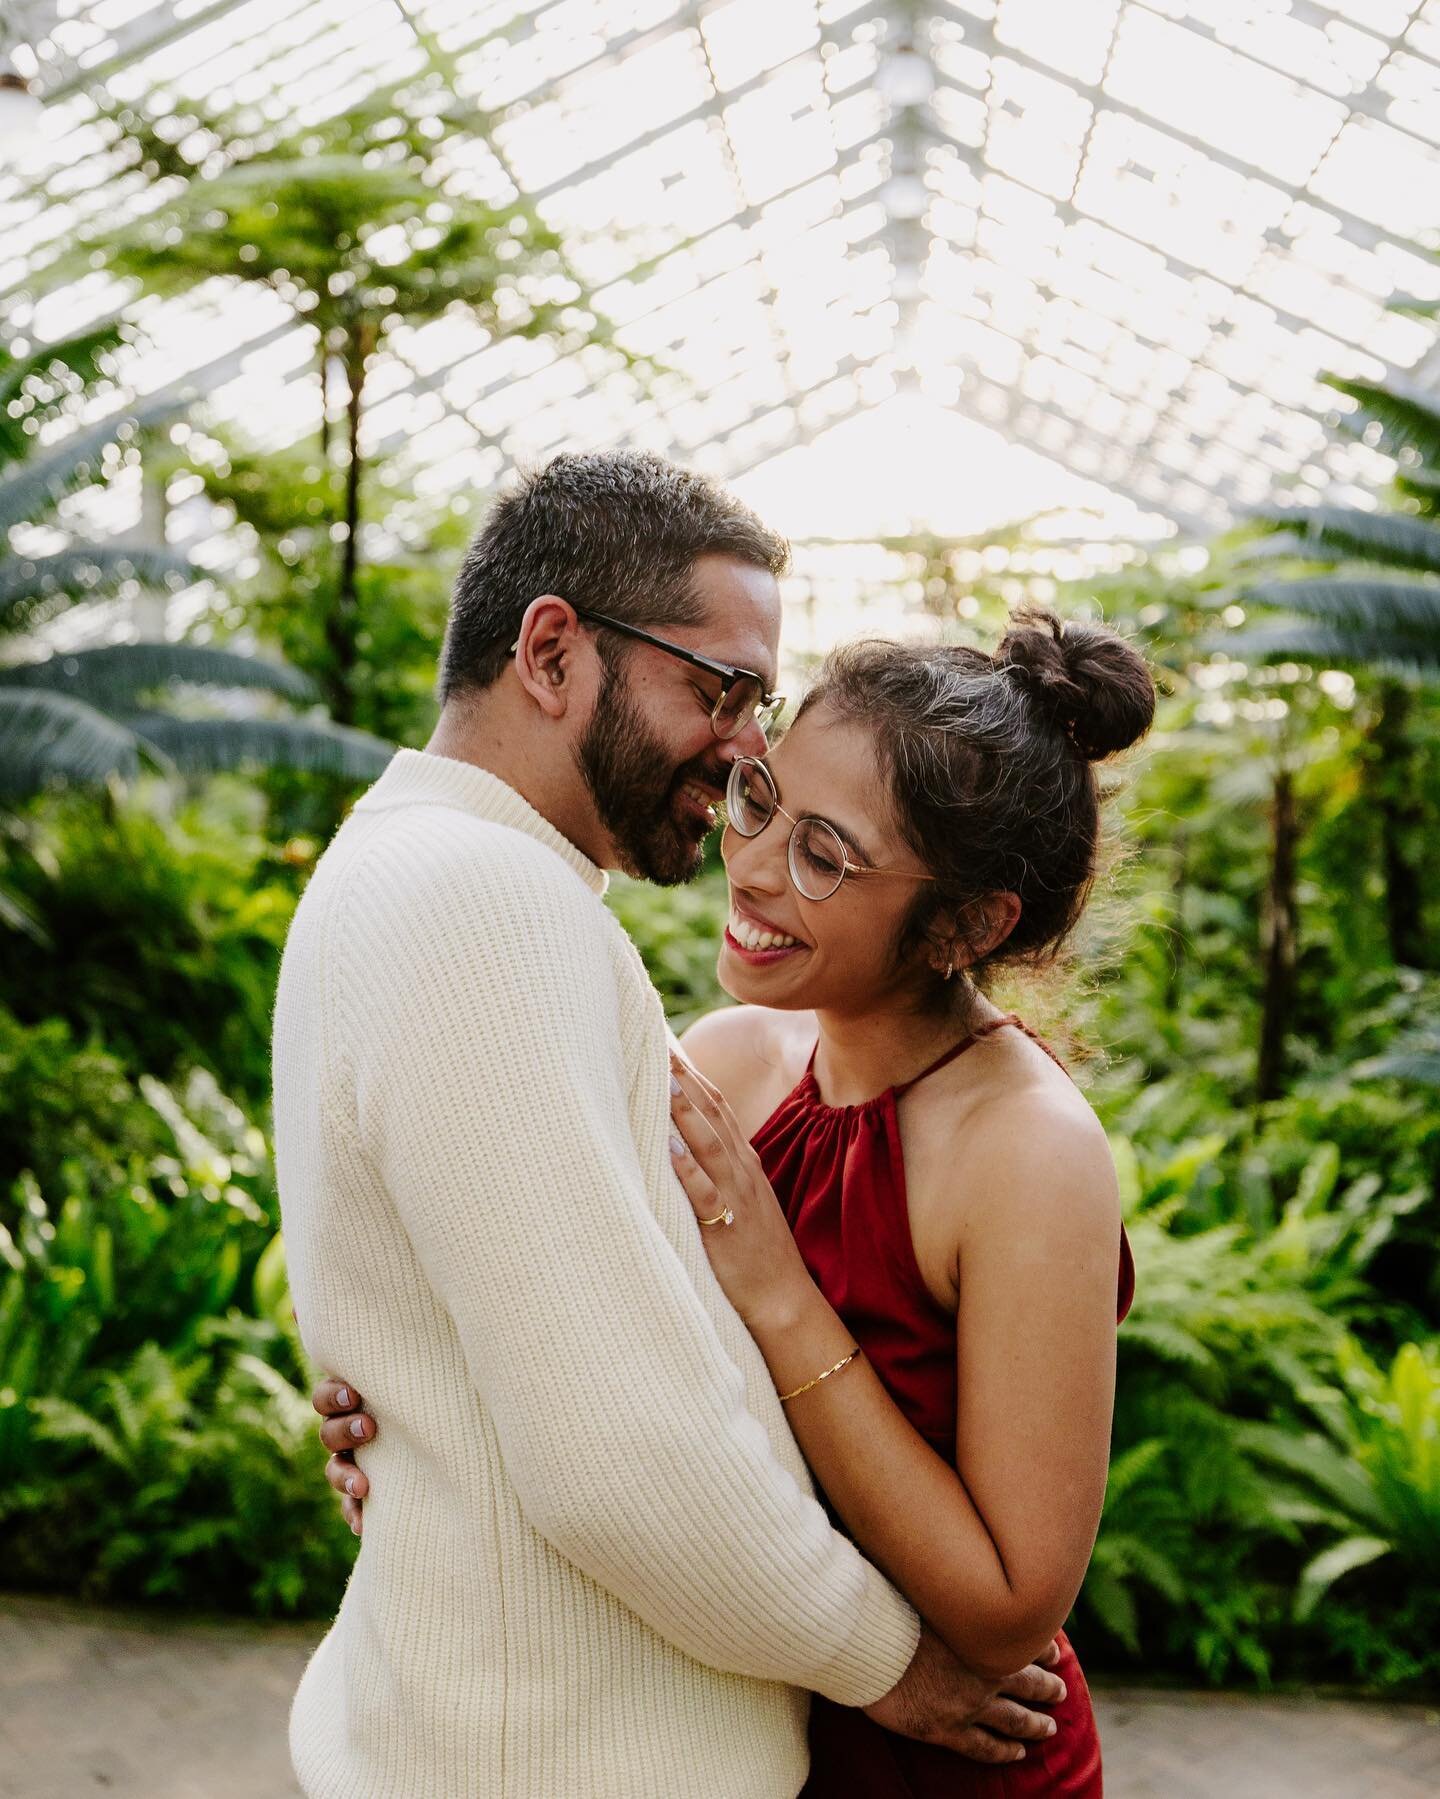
{"points": [[845, 834], [848, 838]]}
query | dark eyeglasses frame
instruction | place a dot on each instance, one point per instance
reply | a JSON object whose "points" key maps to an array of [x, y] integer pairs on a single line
{"points": [[767, 708], [738, 768]]}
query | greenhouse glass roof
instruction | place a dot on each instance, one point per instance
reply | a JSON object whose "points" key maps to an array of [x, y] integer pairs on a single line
{"points": [[1086, 247]]}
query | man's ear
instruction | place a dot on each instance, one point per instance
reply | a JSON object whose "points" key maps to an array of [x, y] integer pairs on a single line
{"points": [[544, 652]]}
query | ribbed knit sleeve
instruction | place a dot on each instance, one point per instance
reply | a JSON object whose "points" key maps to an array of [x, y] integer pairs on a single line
{"points": [[475, 997]]}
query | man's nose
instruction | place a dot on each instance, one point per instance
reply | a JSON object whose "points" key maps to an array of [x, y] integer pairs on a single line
{"points": [[751, 741]]}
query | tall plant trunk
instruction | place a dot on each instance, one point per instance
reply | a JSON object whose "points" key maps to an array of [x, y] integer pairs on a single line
{"points": [[344, 621], [324, 402], [1280, 941], [1398, 809], [1178, 942]]}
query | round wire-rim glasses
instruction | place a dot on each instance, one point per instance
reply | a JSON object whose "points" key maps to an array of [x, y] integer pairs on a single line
{"points": [[815, 853]]}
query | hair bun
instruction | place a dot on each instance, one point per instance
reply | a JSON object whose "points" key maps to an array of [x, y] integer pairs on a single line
{"points": [[1086, 677]]}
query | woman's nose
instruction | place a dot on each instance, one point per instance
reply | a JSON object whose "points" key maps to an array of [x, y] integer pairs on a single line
{"points": [[756, 863]]}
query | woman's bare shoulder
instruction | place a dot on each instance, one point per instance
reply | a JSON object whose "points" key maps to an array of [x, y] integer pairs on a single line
{"points": [[750, 1052], [1007, 1146], [1035, 1146]]}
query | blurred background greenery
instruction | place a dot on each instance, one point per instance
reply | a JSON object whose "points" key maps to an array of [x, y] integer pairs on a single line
{"points": [[1252, 1007]]}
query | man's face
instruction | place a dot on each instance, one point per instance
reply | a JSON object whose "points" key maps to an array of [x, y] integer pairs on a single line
{"points": [[652, 763]]}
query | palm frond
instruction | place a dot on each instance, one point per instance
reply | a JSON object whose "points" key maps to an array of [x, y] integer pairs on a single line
{"points": [[81, 355], [1357, 601], [17, 914], [116, 674], [78, 360], [1413, 1057], [1330, 533], [1327, 1567], [49, 738], [33, 487], [1408, 416], [217, 745], [1319, 1463], [85, 572], [1402, 654]]}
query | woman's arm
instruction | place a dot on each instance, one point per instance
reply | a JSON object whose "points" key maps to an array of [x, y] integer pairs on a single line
{"points": [[992, 1555]]}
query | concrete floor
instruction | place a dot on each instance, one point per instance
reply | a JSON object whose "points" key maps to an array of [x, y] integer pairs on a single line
{"points": [[142, 1706]]}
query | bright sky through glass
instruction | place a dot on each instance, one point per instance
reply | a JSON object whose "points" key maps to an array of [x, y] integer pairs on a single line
{"points": [[918, 267]]}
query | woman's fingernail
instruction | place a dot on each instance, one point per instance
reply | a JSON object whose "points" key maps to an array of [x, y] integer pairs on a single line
{"points": [[342, 1398], [354, 1530], [677, 1144], [675, 1086], [357, 1427], [1050, 1727], [350, 1485]]}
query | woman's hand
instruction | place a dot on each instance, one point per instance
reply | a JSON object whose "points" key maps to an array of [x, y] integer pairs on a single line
{"points": [[347, 1427], [754, 1257]]}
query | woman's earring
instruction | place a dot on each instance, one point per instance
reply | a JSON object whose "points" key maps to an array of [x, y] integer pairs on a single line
{"points": [[950, 968]]}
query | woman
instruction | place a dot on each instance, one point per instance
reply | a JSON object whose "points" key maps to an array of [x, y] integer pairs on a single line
{"points": [[906, 1199]]}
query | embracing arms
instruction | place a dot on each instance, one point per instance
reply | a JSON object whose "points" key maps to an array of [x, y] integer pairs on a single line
{"points": [[992, 1552], [481, 1032]]}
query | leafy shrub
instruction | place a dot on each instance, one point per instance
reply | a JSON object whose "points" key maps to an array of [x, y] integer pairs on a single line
{"points": [[154, 1428], [1228, 1513], [161, 939]]}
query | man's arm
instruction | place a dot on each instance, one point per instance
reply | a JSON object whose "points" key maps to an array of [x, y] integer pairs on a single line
{"points": [[483, 1028]]}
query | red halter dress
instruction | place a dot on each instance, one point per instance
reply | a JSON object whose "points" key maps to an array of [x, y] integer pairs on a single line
{"points": [[839, 1175]]}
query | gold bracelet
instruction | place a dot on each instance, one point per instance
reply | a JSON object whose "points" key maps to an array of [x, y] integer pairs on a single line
{"points": [[844, 1362]]}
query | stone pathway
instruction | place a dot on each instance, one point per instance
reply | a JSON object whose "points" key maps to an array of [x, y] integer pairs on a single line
{"points": [[141, 1706]]}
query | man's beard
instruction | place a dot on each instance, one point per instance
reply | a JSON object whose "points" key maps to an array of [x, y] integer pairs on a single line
{"points": [[626, 768]]}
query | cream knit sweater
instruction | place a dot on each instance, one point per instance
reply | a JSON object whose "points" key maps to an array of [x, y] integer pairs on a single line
{"points": [[592, 1567]]}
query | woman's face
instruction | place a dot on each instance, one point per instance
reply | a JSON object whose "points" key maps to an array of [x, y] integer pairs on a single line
{"points": [[842, 955]]}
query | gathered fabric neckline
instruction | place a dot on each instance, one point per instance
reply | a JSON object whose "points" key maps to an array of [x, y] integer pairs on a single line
{"points": [[807, 1088]]}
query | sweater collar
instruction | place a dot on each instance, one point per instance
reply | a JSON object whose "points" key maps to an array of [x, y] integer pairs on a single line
{"points": [[419, 777]]}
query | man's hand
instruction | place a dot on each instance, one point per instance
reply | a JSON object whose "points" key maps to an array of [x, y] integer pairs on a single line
{"points": [[938, 1700], [347, 1427]]}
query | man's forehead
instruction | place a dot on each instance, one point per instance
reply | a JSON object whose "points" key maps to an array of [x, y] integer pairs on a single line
{"points": [[742, 615]]}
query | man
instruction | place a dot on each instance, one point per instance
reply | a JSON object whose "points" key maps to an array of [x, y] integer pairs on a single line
{"points": [[620, 1583]]}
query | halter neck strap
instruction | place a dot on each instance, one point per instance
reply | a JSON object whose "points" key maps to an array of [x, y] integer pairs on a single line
{"points": [[955, 1050]]}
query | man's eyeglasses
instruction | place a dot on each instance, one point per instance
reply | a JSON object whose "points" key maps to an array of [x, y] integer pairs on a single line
{"points": [[742, 693], [816, 851]]}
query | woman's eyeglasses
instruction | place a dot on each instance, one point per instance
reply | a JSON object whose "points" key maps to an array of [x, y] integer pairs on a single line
{"points": [[816, 852], [742, 692]]}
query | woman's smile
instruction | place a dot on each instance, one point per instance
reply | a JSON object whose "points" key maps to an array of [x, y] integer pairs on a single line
{"points": [[756, 940]]}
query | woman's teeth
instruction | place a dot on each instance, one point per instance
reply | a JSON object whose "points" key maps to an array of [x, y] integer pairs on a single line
{"points": [[751, 937]]}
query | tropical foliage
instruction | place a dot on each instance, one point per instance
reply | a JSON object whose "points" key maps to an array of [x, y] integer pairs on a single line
{"points": [[1253, 1010], [92, 711]]}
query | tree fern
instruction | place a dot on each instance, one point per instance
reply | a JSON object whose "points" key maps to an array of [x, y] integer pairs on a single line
{"points": [[50, 737], [1330, 533], [1408, 416], [36, 384], [32, 488], [29, 584], [203, 746], [115, 675]]}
